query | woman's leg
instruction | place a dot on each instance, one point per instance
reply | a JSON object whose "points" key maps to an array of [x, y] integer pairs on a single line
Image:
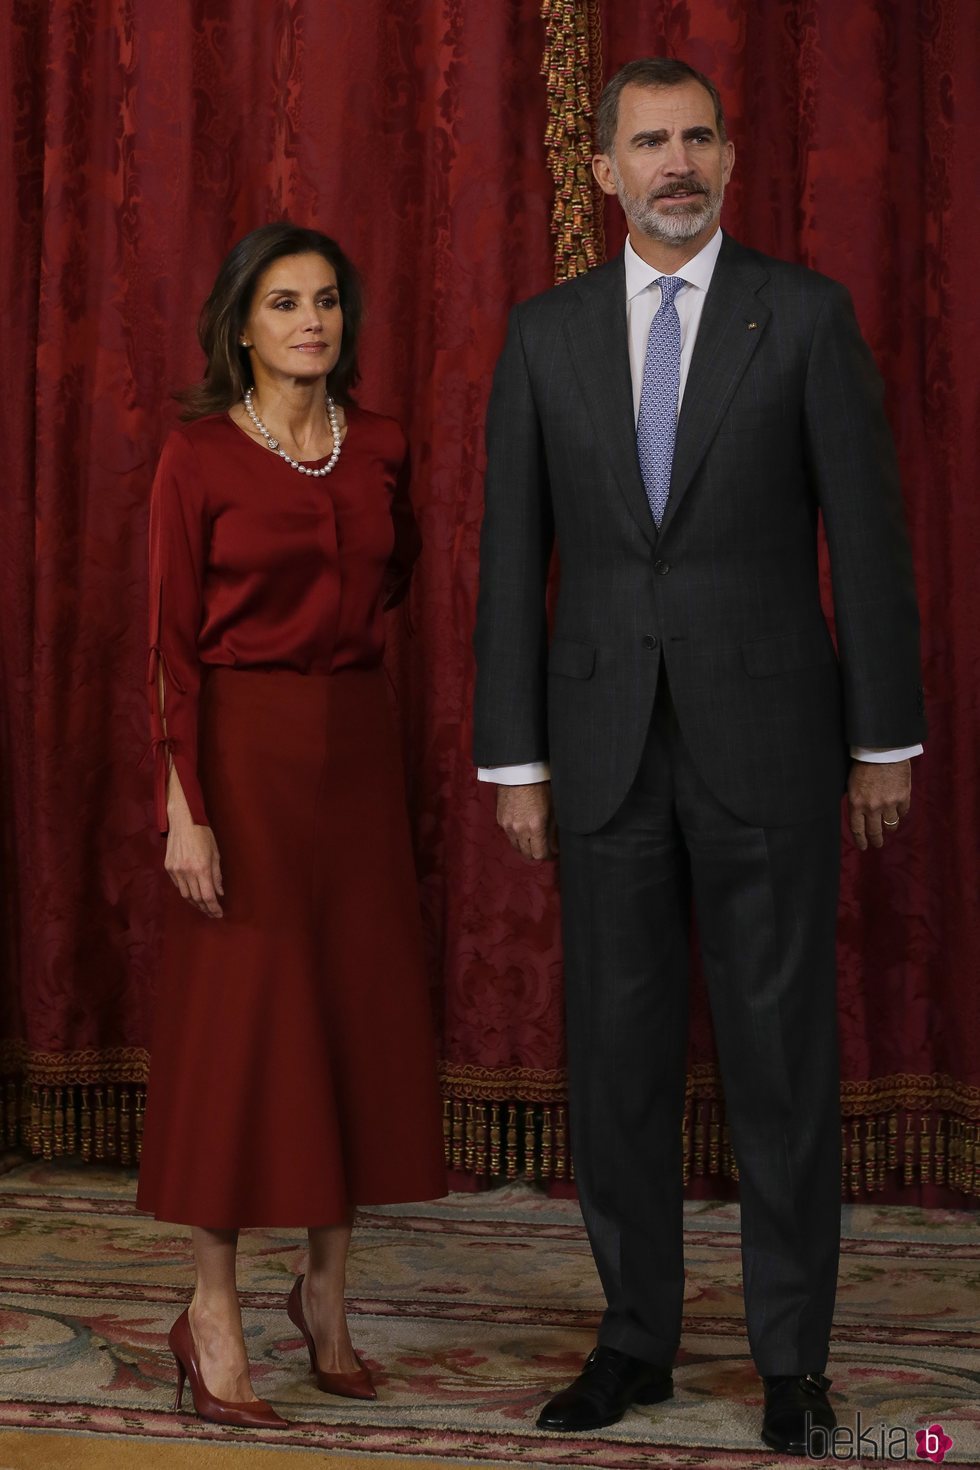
{"points": [[216, 1316], [323, 1298]]}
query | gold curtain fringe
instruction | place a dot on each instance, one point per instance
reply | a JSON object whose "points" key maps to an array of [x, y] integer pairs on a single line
{"points": [[919, 1148], [99, 1122], [572, 66], [907, 1092], [505, 1140], [499, 1084], [118, 1064], [502, 1138], [498, 1141]]}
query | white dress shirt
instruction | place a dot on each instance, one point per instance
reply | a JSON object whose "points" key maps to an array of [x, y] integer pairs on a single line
{"points": [[643, 298]]}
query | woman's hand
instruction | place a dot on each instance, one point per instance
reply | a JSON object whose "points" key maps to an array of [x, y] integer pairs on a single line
{"points": [[193, 863]]}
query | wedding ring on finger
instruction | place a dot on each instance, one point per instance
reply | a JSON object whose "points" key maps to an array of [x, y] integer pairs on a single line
{"points": [[885, 822]]}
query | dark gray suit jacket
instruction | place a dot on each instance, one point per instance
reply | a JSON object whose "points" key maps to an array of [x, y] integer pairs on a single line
{"points": [[782, 418]]}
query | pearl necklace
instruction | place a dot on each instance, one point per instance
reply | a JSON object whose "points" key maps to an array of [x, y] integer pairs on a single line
{"points": [[274, 443]]}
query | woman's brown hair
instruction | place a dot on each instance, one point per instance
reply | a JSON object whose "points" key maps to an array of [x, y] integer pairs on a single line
{"points": [[229, 372]]}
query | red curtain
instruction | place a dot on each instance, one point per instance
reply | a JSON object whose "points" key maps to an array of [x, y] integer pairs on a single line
{"points": [[141, 141], [146, 139]]}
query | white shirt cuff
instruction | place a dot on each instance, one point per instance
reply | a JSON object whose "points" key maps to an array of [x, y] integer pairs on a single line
{"points": [[883, 757], [526, 775], [534, 771]]}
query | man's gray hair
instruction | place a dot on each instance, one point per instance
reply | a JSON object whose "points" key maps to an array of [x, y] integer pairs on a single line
{"points": [[649, 71]]}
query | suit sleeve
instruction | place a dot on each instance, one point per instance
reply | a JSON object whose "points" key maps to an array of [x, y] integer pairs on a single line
{"points": [[511, 639], [854, 468], [179, 531]]}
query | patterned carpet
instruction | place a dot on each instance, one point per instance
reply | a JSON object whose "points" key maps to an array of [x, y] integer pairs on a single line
{"points": [[469, 1313]]}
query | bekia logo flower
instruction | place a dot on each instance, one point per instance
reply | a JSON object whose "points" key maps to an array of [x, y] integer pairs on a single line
{"points": [[932, 1444]]}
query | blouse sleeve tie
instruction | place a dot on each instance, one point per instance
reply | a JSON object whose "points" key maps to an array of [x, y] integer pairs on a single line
{"points": [[156, 661], [160, 750], [162, 746]]}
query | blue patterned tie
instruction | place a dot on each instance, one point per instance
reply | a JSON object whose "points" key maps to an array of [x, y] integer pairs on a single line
{"points": [[656, 424]]}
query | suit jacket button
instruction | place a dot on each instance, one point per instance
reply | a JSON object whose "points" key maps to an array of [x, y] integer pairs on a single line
{"points": [[661, 568], [649, 641]]}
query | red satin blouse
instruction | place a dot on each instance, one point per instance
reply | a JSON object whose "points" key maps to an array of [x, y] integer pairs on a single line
{"points": [[256, 566]]}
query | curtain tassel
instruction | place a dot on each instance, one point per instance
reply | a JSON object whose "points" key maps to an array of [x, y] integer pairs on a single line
{"points": [[495, 1155], [547, 1169], [561, 1142]]}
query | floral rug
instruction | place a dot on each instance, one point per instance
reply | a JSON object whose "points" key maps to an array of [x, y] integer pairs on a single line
{"points": [[469, 1313]]}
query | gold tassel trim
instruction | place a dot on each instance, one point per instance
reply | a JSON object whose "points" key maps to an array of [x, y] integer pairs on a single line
{"points": [[499, 1084], [572, 66], [527, 1139], [910, 1137], [917, 1148], [100, 1123]]}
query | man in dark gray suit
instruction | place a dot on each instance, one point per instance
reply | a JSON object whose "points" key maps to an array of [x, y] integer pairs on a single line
{"points": [[677, 420]]}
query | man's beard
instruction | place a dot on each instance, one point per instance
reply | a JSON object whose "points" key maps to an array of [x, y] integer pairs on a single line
{"points": [[680, 223]]}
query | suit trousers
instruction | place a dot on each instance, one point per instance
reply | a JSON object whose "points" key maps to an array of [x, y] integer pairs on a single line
{"points": [[765, 904]]}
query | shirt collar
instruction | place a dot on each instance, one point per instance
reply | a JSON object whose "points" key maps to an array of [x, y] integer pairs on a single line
{"points": [[697, 272]]}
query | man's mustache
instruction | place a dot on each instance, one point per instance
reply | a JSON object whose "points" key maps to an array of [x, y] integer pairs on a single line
{"points": [[672, 189]]}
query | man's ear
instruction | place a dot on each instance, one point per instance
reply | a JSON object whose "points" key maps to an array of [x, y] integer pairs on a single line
{"points": [[602, 171]]}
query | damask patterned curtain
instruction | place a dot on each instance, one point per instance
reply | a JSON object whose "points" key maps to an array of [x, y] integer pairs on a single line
{"points": [[145, 140], [444, 145]]}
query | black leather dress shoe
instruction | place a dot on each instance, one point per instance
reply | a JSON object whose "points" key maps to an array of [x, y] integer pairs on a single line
{"points": [[796, 1405], [604, 1390]]}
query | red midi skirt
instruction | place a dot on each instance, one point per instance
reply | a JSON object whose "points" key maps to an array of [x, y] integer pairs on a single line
{"points": [[293, 1069]]}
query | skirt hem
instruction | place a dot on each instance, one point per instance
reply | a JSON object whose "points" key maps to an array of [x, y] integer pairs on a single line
{"points": [[287, 1222]]}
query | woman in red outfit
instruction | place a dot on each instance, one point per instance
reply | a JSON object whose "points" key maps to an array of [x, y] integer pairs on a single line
{"points": [[293, 1071]]}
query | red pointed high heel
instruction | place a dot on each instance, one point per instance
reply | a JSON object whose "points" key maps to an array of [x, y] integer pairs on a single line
{"points": [[357, 1385], [259, 1415]]}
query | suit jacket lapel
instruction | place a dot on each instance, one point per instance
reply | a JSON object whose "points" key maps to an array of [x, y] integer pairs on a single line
{"points": [[595, 331], [596, 334], [732, 325]]}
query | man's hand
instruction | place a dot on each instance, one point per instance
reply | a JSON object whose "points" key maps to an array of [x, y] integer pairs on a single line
{"points": [[525, 814], [878, 796]]}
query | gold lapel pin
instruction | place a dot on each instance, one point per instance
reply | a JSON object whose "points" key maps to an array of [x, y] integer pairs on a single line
{"points": [[751, 326]]}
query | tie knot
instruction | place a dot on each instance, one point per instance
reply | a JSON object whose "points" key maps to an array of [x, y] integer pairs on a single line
{"points": [[669, 287]]}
